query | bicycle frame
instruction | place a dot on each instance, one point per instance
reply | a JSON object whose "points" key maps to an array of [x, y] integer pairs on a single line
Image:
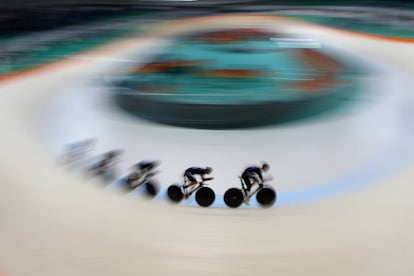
{"points": [[254, 192], [199, 185], [143, 179], [244, 188]]}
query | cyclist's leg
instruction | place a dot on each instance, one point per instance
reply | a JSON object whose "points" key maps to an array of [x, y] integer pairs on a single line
{"points": [[247, 184], [189, 180], [256, 180]]}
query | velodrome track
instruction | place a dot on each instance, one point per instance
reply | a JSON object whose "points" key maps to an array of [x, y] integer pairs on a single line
{"points": [[52, 223]]}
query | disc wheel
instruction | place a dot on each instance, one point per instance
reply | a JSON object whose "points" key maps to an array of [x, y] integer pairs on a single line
{"points": [[151, 189], [175, 193], [205, 196], [266, 197], [233, 197]]}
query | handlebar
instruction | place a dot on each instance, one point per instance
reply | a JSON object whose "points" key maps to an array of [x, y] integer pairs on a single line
{"points": [[267, 179]]}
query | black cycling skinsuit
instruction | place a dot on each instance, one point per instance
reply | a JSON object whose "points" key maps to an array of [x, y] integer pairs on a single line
{"points": [[190, 172], [249, 176], [145, 166]]}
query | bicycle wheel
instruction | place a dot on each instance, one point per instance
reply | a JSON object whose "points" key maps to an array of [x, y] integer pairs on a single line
{"points": [[205, 196], [151, 189], [266, 196], [233, 197], [175, 193]]}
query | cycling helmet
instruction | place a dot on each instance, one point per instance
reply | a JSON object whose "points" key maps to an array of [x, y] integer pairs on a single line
{"points": [[265, 166], [113, 153], [208, 170]]}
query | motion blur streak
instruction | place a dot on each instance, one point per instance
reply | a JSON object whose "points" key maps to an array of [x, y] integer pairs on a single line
{"points": [[62, 64]]}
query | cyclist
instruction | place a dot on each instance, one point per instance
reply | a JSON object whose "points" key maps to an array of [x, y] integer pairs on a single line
{"points": [[253, 175], [77, 152], [105, 166], [190, 179], [141, 171]]}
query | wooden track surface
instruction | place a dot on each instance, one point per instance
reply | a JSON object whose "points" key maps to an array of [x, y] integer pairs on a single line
{"points": [[52, 224]]}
